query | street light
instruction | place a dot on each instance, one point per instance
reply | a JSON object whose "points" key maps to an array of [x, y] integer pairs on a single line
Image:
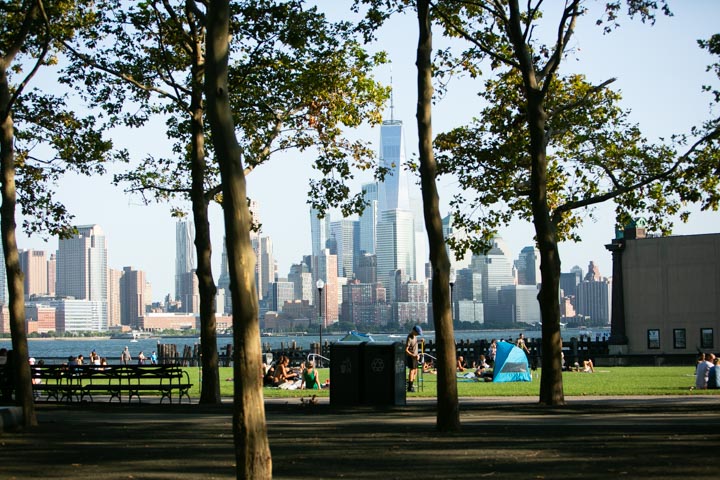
{"points": [[452, 307], [320, 285]]}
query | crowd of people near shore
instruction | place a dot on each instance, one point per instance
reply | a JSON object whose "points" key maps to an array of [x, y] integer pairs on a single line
{"points": [[707, 372]]}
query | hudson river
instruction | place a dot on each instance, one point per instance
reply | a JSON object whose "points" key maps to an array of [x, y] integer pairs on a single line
{"points": [[61, 348]]}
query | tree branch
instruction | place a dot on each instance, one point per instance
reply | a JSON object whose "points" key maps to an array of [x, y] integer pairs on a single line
{"points": [[557, 214]]}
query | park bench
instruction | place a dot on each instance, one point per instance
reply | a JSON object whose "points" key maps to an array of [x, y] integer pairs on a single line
{"points": [[68, 383]]}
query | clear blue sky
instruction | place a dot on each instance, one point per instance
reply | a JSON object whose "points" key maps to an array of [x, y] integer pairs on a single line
{"points": [[659, 69]]}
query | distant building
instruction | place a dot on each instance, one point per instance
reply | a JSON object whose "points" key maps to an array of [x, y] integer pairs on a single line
{"points": [[82, 272], [184, 253], [42, 315], [132, 296], [363, 303], [33, 264], [528, 266], [325, 269], [593, 301]]}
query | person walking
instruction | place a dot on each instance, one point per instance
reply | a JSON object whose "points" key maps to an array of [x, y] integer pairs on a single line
{"points": [[412, 356], [125, 357]]}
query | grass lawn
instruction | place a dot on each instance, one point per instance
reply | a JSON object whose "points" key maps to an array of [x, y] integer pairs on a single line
{"points": [[605, 381]]}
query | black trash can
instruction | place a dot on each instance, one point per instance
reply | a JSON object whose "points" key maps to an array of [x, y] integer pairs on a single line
{"points": [[346, 372], [383, 378]]}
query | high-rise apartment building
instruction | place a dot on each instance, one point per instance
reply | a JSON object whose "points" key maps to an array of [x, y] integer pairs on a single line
{"points": [[325, 269], [184, 251], [363, 304], [51, 274], [33, 264], [82, 270], [114, 302], [189, 293], [302, 281], [132, 296]]}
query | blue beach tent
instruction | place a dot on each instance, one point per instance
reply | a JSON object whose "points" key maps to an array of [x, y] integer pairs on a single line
{"points": [[511, 364]]}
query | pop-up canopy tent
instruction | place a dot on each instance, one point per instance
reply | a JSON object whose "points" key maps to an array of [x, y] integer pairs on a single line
{"points": [[511, 364], [355, 336]]}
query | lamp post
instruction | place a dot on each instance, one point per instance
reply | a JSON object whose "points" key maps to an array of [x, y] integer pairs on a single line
{"points": [[320, 285], [452, 306]]}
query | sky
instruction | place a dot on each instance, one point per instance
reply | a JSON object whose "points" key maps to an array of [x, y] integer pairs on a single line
{"points": [[659, 71]]}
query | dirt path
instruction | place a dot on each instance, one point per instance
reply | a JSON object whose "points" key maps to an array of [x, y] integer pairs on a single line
{"points": [[588, 439]]}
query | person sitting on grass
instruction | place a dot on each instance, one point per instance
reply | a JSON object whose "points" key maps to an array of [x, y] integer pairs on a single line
{"points": [[588, 366], [460, 366], [283, 373], [714, 375], [310, 378]]}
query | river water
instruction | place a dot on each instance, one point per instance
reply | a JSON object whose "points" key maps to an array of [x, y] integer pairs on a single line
{"points": [[56, 349]]}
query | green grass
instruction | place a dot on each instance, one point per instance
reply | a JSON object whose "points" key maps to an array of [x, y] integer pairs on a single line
{"points": [[610, 381]]}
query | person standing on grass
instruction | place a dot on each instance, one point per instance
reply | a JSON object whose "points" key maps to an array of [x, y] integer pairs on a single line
{"points": [[412, 355], [125, 357]]}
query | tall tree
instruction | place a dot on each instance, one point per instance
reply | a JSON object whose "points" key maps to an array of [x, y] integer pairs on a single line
{"points": [[546, 145], [33, 123], [448, 412], [252, 449], [296, 80]]}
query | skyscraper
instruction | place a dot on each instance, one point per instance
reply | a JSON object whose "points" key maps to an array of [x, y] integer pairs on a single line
{"points": [[33, 263], [345, 232], [320, 232], [301, 277], [528, 266], [82, 271], [496, 271], [325, 269], [184, 252], [132, 296], [393, 190], [369, 218], [395, 249]]}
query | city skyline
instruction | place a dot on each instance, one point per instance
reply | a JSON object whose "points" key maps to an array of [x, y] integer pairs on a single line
{"points": [[143, 236]]}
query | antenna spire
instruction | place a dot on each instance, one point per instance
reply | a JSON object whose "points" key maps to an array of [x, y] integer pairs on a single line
{"points": [[392, 101]]}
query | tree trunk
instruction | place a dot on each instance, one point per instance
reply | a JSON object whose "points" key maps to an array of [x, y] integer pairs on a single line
{"points": [[448, 412], [551, 386], [21, 367], [252, 449], [210, 389]]}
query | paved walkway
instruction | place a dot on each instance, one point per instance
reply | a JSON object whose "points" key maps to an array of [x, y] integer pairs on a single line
{"points": [[501, 437]]}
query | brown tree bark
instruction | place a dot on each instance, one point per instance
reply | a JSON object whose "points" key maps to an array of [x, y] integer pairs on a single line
{"points": [[252, 449], [21, 367], [210, 389], [448, 411], [551, 387]]}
